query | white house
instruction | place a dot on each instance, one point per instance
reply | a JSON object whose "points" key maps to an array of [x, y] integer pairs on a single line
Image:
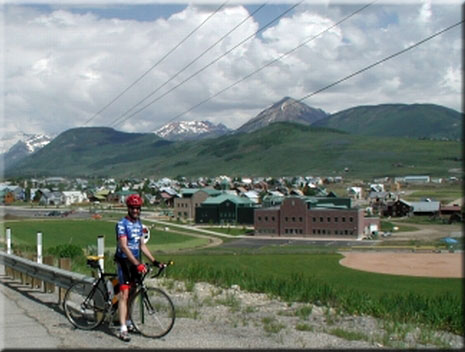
{"points": [[253, 196], [246, 181], [355, 192], [71, 197], [50, 198], [377, 187]]}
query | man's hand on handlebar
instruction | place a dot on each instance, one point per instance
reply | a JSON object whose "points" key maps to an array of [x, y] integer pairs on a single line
{"points": [[158, 264], [141, 268]]}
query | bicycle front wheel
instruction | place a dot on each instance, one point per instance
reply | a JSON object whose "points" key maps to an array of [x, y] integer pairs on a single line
{"points": [[152, 312], [84, 305]]}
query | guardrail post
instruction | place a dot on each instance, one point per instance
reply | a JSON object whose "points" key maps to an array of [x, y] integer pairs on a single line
{"points": [[39, 247], [8, 270], [38, 283], [28, 279], [64, 263], [8, 240], [48, 287], [35, 283], [101, 251]]}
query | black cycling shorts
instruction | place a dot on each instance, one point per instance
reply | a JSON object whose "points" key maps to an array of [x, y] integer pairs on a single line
{"points": [[127, 272]]}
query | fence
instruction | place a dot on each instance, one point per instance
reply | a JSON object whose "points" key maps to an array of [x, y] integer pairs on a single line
{"points": [[41, 272]]}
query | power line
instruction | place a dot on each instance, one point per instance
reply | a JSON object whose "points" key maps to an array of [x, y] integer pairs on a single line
{"points": [[157, 63], [188, 65], [210, 64], [381, 61], [332, 84], [272, 61]]}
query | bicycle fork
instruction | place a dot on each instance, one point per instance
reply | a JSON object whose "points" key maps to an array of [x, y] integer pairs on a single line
{"points": [[112, 310]]}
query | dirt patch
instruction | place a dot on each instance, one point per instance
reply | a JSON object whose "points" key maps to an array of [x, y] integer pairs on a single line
{"points": [[429, 232], [445, 265]]}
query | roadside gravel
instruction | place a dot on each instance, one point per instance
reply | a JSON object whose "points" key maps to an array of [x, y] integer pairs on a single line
{"points": [[211, 317], [257, 321]]}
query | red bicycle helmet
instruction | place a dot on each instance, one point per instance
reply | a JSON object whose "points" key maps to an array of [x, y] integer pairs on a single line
{"points": [[134, 200]]}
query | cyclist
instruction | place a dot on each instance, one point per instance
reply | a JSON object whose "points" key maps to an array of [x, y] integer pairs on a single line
{"points": [[129, 250]]}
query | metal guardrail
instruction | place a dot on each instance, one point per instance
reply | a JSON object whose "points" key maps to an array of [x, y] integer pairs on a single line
{"points": [[44, 272]]}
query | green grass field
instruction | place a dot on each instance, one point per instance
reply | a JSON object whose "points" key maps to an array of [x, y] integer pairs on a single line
{"points": [[389, 226], [84, 233], [318, 277], [318, 266], [445, 193]]}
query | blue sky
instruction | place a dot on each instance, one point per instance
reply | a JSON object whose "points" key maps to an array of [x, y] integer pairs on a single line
{"points": [[69, 65], [151, 12]]}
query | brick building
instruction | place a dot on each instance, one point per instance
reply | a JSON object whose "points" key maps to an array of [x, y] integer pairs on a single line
{"points": [[314, 216]]}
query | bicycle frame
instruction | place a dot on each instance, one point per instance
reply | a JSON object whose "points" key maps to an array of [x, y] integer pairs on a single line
{"points": [[101, 282]]}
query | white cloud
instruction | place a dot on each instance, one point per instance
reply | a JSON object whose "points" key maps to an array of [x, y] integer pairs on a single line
{"points": [[425, 11], [452, 80], [61, 66]]}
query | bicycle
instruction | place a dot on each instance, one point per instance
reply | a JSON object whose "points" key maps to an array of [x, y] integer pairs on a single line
{"points": [[87, 305]]}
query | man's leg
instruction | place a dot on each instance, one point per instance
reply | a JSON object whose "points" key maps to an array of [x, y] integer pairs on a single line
{"points": [[123, 312]]}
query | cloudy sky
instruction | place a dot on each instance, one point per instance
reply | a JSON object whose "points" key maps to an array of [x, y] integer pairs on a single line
{"points": [[136, 66]]}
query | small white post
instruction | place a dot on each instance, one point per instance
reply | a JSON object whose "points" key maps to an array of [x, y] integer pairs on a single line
{"points": [[101, 251], [8, 240], [39, 247]]}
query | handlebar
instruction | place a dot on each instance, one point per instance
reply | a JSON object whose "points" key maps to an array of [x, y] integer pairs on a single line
{"points": [[93, 262], [160, 269]]}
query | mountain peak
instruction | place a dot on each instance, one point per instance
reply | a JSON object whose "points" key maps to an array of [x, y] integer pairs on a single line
{"points": [[190, 130], [285, 110], [20, 145]]}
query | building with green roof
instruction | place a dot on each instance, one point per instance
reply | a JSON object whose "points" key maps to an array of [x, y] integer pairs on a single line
{"points": [[226, 209], [191, 198]]}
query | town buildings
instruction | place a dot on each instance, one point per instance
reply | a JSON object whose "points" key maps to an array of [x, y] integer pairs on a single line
{"points": [[287, 206]]}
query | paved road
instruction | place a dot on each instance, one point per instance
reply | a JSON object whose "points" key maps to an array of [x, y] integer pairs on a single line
{"points": [[39, 212], [255, 243], [18, 329]]}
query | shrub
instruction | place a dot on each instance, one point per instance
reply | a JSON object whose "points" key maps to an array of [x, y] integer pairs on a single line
{"points": [[66, 251]]}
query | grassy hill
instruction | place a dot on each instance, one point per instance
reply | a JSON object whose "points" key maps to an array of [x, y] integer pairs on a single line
{"points": [[281, 149], [398, 120]]}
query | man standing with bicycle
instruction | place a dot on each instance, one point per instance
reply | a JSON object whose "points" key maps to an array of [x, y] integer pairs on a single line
{"points": [[130, 247]]}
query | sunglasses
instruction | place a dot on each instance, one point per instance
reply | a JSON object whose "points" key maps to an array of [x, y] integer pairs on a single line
{"points": [[134, 208]]}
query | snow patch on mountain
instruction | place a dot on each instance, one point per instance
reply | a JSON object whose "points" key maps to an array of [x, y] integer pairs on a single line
{"points": [[36, 142], [185, 130], [33, 142]]}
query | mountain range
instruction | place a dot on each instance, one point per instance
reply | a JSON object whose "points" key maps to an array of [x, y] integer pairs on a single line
{"points": [[186, 148]]}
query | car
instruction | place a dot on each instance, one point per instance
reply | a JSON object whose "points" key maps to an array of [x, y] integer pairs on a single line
{"points": [[54, 213]]}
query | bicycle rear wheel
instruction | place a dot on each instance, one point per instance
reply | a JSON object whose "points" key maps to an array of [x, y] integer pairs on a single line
{"points": [[152, 312], [84, 305]]}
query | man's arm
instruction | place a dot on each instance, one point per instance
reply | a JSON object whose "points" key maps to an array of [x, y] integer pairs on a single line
{"points": [[146, 251]]}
